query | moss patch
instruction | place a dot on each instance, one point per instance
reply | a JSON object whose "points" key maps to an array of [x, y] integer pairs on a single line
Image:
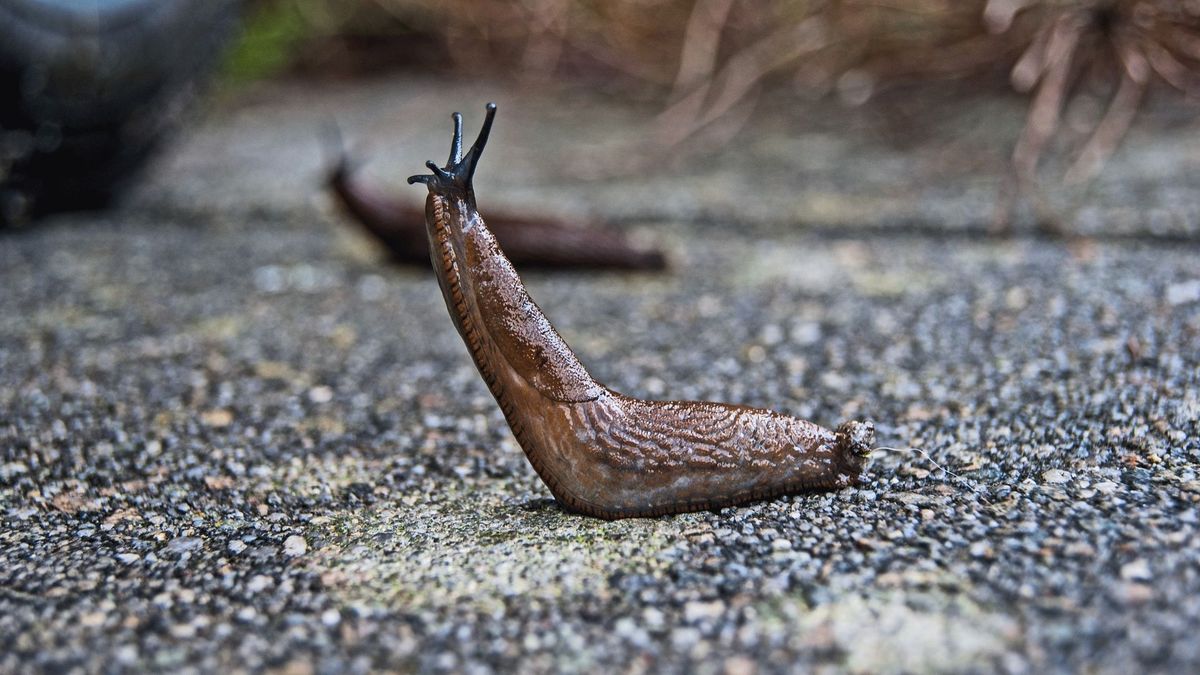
{"points": [[479, 550]]}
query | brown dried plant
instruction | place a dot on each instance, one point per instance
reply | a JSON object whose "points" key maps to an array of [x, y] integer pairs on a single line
{"points": [[1137, 41], [708, 60], [1052, 44]]}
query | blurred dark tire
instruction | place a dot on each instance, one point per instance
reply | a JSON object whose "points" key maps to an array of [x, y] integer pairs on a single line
{"points": [[88, 90]]}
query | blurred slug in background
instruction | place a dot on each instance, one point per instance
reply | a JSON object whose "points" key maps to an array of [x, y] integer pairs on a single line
{"points": [[602, 453], [529, 241]]}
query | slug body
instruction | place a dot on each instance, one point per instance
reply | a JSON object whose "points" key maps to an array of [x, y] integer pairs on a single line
{"points": [[602, 453], [529, 242]]}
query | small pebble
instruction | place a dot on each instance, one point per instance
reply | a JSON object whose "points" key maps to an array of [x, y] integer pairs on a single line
{"points": [[1056, 477], [697, 611], [1137, 570], [184, 545], [294, 546], [981, 549]]}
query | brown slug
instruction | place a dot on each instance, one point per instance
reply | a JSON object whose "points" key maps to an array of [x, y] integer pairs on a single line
{"points": [[529, 242], [602, 453]]}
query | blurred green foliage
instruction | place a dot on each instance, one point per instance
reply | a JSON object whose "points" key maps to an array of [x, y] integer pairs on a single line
{"points": [[271, 34]]}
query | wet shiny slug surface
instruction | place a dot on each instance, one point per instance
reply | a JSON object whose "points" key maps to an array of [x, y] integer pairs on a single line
{"points": [[229, 437]]}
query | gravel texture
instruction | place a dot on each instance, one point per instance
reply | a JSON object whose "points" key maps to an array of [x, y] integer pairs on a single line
{"points": [[232, 438]]}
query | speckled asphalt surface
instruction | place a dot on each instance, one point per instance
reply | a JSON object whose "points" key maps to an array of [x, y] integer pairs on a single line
{"points": [[232, 438]]}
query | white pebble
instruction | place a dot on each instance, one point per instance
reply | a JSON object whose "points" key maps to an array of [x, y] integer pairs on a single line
{"points": [[294, 546], [1138, 570], [1056, 476], [1183, 292]]}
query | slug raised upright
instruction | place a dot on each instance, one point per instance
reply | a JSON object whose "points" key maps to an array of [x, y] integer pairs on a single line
{"points": [[602, 453]]}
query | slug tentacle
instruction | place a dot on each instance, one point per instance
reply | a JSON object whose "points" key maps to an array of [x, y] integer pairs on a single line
{"points": [[456, 144], [602, 453], [455, 179]]}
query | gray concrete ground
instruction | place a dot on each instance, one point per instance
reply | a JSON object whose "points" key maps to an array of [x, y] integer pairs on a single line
{"points": [[231, 437]]}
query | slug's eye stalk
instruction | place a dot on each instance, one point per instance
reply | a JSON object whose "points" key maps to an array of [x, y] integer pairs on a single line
{"points": [[455, 178], [456, 144]]}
